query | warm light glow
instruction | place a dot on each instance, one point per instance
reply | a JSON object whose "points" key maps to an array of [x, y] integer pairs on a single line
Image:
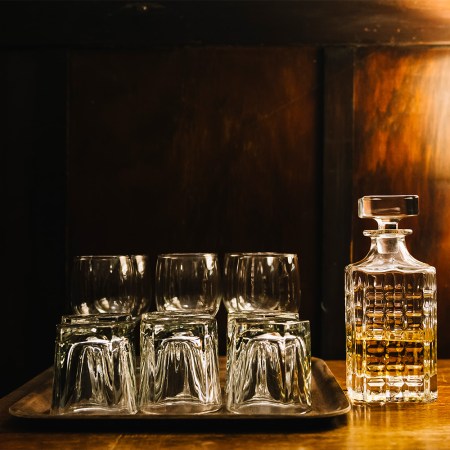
{"points": [[402, 118], [438, 9], [408, 114]]}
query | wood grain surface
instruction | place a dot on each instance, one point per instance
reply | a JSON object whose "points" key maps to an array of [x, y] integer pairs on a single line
{"points": [[399, 426]]}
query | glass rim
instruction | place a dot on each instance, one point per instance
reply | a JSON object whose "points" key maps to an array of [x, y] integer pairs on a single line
{"points": [[186, 255], [268, 254], [180, 314], [268, 315], [106, 257], [72, 319], [233, 254], [82, 257]]}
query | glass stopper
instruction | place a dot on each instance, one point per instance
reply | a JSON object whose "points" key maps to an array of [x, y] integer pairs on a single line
{"points": [[388, 210]]}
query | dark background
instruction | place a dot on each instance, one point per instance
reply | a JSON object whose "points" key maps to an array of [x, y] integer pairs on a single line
{"points": [[134, 127]]}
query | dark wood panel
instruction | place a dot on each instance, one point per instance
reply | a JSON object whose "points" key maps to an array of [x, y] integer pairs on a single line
{"points": [[32, 142], [337, 162], [402, 111], [212, 149], [222, 22]]}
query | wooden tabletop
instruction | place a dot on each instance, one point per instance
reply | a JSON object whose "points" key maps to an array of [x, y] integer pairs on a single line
{"points": [[400, 426]]}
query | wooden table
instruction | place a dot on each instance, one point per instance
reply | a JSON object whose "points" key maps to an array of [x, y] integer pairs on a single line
{"points": [[392, 426]]}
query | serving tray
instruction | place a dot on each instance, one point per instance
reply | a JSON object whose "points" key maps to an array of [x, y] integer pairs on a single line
{"points": [[328, 400]]}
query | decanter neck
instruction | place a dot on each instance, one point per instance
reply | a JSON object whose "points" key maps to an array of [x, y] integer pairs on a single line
{"points": [[387, 223], [388, 241]]}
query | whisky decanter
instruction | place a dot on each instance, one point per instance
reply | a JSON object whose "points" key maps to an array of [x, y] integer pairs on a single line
{"points": [[390, 312]]}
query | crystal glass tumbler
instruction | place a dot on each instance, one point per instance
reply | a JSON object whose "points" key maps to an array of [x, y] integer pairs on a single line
{"points": [[269, 367], [263, 282], [102, 284], [188, 282], [94, 369], [179, 364]]}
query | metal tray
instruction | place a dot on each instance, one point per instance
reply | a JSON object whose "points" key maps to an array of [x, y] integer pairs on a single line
{"points": [[328, 400]]}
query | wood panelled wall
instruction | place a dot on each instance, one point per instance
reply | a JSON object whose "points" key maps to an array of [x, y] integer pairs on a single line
{"points": [[217, 148], [402, 144], [197, 149]]}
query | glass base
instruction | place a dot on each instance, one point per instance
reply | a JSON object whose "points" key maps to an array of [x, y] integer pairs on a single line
{"points": [[94, 409], [392, 390], [177, 407], [264, 407]]}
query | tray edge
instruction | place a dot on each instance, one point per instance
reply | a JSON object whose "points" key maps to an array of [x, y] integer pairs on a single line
{"points": [[222, 414]]}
